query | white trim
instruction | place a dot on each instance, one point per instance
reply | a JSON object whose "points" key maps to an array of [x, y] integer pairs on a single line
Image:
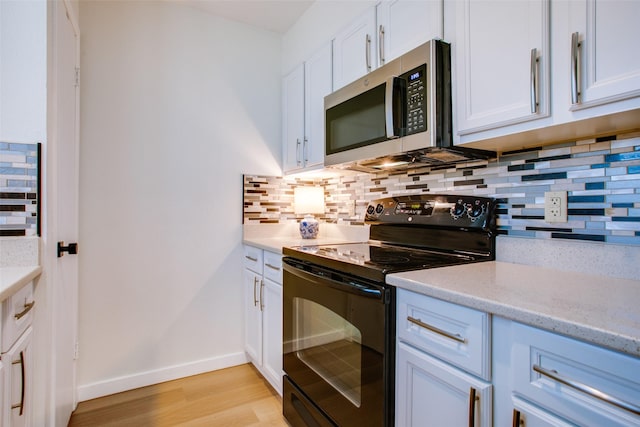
{"points": [[142, 379]]}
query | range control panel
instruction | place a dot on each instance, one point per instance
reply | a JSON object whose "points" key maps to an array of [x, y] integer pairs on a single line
{"points": [[435, 210]]}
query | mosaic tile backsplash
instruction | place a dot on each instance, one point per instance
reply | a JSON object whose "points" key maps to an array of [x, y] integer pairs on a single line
{"points": [[601, 177], [19, 176]]}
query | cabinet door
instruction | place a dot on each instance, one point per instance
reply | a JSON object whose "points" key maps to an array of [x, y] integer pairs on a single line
{"points": [[526, 414], [406, 24], [18, 383], [501, 63], [272, 330], [354, 50], [318, 84], [253, 316], [432, 393], [293, 119], [609, 63]]}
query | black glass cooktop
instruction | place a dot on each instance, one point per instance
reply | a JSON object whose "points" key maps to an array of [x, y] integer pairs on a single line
{"points": [[373, 259]]}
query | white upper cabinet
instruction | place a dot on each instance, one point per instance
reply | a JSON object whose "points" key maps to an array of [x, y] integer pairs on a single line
{"points": [[354, 50], [382, 34], [501, 62], [402, 25], [304, 90], [605, 60]]}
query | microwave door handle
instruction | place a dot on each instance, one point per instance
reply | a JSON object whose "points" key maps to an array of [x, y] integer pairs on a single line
{"points": [[389, 103]]}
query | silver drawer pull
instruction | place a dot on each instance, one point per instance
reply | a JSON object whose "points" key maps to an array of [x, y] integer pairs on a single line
{"points": [[272, 267], [250, 258], [593, 392], [420, 323], [27, 308]]}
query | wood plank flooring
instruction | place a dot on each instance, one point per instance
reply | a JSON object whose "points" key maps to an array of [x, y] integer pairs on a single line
{"points": [[236, 396]]}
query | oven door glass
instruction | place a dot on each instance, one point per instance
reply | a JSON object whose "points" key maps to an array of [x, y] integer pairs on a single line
{"points": [[337, 345]]}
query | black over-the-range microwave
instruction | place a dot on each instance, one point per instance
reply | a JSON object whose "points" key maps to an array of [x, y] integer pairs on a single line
{"points": [[398, 114]]}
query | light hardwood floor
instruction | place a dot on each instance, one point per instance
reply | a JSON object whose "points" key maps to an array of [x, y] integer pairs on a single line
{"points": [[236, 396]]}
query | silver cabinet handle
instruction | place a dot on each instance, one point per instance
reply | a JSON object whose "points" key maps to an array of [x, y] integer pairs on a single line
{"points": [[21, 363], [576, 62], [261, 295], [367, 51], [439, 331], [534, 80], [305, 150], [472, 406], [516, 418], [273, 267], [255, 299], [588, 390], [250, 258], [381, 44], [298, 161], [27, 308]]}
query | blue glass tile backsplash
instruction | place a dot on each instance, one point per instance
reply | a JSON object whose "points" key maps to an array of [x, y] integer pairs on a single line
{"points": [[601, 177], [19, 183]]}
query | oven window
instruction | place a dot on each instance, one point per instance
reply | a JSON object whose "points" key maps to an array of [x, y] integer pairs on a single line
{"points": [[330, 346]]}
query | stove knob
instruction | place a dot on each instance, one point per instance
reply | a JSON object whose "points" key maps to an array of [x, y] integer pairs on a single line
{"points": [[370, 210], [379, 208], [458, 209], [476, 210]]}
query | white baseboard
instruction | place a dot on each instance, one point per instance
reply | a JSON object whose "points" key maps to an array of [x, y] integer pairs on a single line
{"points": [[143, 379]]}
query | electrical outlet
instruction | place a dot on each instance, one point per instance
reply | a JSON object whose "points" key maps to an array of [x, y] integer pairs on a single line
{"points": [[555, 206]]}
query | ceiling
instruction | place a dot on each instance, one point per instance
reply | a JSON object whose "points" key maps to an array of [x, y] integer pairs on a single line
{"points": [[272, 15]]}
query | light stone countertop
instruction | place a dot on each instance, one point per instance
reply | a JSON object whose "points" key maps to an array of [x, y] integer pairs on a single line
{"points": [[14, 278], [275, 244], [598, 309]]}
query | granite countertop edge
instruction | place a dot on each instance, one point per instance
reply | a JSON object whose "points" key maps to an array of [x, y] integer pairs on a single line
{"points": [[483, 287], [14, 278]]}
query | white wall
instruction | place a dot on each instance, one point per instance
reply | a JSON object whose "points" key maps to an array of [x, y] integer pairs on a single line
{"points": [[176, 105], [316, 27], [23, 71]]}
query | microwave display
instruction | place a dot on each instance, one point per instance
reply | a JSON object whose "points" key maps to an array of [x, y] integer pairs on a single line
{"points": [[416, 95]]}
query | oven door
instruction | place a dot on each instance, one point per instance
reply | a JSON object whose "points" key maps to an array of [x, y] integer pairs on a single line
{"points": [[338, 334]]}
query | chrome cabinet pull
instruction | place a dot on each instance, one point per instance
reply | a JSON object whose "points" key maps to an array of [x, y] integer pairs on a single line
{"points": [[588, 390], [298, 161], [534, 80], [305, 150], [576, 61], [472, 406], [367, 51], [250, 258], [27, 308], [516, 418], [255, 299], [21, 362], [381, 44], [439, 331], [273, 267], [261, 295]]}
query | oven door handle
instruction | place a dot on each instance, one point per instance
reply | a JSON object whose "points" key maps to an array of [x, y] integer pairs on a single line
{"points": [[346, 283]]}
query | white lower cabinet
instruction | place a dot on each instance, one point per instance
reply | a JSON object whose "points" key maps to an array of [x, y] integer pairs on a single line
{"points": [[546, 379], [262, 278], [439, 345], [17, 358], [433, 393]]}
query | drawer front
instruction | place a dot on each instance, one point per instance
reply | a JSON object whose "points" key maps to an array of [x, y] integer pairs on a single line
{"points": [[456, 334], [18, 315], [253, 259], [272, 268], [565, 376]]}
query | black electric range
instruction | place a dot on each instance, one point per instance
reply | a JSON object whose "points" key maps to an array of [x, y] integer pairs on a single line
{"points": [[412, 233]]}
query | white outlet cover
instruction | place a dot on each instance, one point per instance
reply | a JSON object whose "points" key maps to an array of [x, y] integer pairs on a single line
{"points": [[555, 206]]}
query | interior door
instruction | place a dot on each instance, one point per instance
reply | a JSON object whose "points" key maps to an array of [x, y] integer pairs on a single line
{"points": [[66, 149]]}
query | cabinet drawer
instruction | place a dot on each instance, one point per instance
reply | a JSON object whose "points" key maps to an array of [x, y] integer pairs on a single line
{"points": [[18, 315], [565, 376], [253, 259], [273, 266], [456, 334]]}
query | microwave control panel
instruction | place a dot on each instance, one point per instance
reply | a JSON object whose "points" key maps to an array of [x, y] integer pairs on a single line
{"points": [[416, 95]]}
